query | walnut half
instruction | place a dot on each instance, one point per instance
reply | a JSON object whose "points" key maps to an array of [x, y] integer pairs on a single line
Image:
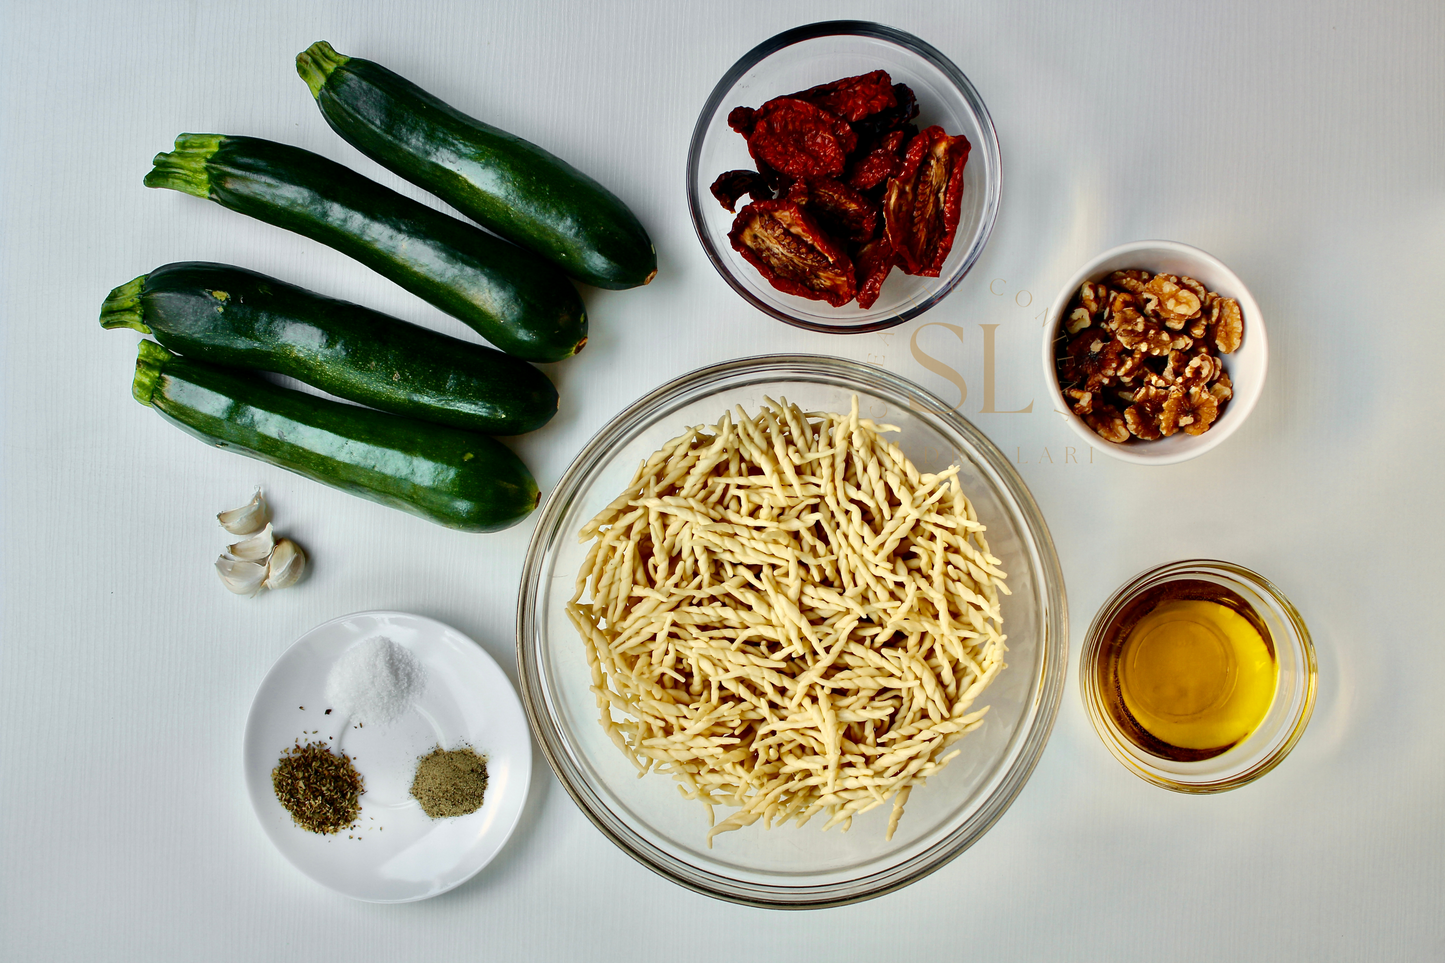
{"points": [[1142, 417], [1191, 413], [1108, 424], [1227, 325], [1166, 298]]}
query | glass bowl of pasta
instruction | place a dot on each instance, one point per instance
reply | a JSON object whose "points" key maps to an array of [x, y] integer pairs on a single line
{"points": [[791, 632]]}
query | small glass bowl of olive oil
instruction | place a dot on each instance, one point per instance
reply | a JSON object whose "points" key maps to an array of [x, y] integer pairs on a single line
{"points": [[1198, 675]]}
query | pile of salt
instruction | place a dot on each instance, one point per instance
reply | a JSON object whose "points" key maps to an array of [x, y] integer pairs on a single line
{"points": [[375, 681]]}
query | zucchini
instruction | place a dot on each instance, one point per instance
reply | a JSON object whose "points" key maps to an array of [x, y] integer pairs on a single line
{"points": [[453, 477], [499, 180], [230, 316], [516, 301]]}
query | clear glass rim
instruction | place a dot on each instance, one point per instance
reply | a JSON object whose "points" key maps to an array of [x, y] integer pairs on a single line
{"points": [[1298, 638], [861, 28], [1046, 690]]}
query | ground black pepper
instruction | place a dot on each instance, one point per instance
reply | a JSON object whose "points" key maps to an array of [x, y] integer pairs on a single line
{"points": [[450, 783], [319, 788]]}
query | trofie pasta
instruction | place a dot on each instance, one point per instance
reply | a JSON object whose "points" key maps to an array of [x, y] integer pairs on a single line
{"points": [[789, 618]]}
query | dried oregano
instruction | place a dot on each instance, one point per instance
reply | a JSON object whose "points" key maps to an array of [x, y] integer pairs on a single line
{"points": [[320, 789]]}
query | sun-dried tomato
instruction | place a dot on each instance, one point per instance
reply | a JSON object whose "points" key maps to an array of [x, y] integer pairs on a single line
{"points": [[776, 180], [871, 265], [792, 252], [897, 117], [732, 185], [741, 120], [853, 98], [839, 209], [921, 206], [801, 140], [881, 161]]}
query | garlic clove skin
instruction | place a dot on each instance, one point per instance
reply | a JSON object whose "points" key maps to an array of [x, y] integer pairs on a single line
{"points": [[257, 548], [249, 519], [287, 563], [240, 575]]}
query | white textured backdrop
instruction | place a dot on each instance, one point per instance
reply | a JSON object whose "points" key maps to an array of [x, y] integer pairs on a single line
{"points": [[1301, 143]]}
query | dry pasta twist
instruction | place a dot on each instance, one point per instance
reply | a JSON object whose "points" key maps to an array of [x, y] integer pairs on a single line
{"points": [[788, 617]]}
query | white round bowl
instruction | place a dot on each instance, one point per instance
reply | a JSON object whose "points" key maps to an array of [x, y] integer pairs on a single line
{"points": [[1246, 366]]}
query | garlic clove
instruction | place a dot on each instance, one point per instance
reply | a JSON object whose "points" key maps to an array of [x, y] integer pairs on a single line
{"points": [[240, 575], [287, 563], [249, 519], [257, 548]]}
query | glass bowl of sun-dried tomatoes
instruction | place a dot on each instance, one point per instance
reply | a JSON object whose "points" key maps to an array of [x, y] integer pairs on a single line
{"points": [[843, 176]]}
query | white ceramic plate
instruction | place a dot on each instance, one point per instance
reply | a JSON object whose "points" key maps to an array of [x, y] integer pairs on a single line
{"points": [[396, 853]]}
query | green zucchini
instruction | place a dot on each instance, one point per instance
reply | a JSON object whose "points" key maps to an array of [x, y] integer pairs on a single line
{"points": [[518, 302], [230, 316], [453, 477], [499, 180]]}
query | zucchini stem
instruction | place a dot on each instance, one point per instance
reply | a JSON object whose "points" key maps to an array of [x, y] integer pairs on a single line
{"points": [[122, 307], [316, 63], [184, 169], [149, 364]]}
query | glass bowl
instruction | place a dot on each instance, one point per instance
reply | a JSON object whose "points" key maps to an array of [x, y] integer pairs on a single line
{"points": [[790, 866], [1284, 722], [815, 54]]}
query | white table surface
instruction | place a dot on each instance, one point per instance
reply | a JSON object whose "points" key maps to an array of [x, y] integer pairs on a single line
{"points": [[1302, 144]]}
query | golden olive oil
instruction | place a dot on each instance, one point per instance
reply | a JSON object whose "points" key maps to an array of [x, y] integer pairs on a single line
{"points": [[1187, 670]]}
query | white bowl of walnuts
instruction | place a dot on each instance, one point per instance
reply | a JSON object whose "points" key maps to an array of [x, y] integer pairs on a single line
{"points": [[1156, 351]]}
